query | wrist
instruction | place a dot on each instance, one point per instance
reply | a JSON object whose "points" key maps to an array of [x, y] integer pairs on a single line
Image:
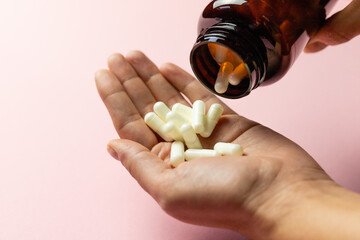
{"points": [[272, 205], [317, 210]]}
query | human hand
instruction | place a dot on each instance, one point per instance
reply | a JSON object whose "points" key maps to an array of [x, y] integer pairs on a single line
{"points": [[339, 28], [256, 194]]}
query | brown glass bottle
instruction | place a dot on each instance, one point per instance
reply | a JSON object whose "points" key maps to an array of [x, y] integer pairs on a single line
{"points": [[261, 38]]}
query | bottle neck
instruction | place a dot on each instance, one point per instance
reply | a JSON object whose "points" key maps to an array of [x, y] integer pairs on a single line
{"points": [[242, 42]]}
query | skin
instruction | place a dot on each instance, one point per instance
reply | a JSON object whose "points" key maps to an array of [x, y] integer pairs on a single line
{"points": [[338, 29], [263, 194]]}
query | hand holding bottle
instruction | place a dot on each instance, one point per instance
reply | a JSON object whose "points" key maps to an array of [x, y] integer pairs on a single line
{"points": [[339, 28]]}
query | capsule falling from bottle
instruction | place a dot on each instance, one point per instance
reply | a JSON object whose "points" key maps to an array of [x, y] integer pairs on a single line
{"points": [[222, 82], [239, 73]]}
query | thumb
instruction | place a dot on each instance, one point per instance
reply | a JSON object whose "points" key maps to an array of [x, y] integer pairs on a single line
{"points": [[339, 28], [143, 165]]}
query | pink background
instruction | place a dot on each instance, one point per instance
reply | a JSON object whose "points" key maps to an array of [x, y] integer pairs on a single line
{"points": [[57, 180]]}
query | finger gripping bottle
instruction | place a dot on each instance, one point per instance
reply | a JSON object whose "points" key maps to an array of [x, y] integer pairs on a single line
{"points": [[243, 44]]}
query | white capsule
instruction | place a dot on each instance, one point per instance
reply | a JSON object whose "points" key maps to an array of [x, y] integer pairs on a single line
{"points": [[161, 110], [176, 118], [198, 116], [191, 154], [229, 149], [239, 73], [156, 124], [222, 83], [191, 139], [221, 53], [173, 131], [212, 119], [177, 153], [183, 110]]}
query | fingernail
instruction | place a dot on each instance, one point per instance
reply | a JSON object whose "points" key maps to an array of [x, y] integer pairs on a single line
{"points": [[112, 152], [314, 47]]}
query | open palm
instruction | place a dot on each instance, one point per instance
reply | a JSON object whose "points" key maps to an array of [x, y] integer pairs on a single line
{"points": [[228, 192]]}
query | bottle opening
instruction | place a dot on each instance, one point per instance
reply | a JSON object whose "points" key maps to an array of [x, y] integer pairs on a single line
{"points": [[221, 70]]}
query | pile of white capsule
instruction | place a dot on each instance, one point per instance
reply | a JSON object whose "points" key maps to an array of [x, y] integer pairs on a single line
{"points": [[181, 124]]}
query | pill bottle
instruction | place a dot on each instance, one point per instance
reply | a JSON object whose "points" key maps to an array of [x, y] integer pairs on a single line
{"points": [[252, 42]]}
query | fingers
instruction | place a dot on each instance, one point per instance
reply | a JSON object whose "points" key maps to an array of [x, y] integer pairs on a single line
{"points": [[126, 118], [134, 86], [339, 28], [146, 167], [150, 74], [188, 85]]}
